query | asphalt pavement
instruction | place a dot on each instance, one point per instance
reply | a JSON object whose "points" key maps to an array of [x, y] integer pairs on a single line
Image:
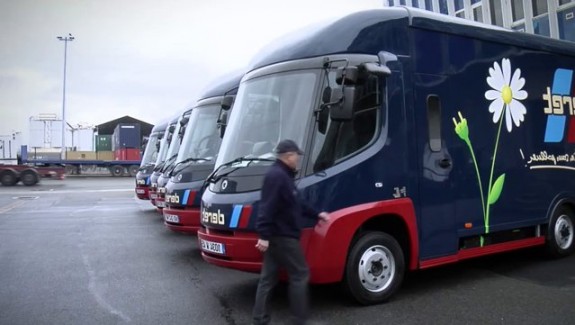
{"points": [[86, 251]]}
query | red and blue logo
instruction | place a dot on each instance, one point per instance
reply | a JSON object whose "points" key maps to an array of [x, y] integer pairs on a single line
{"points": [[560, 105]]}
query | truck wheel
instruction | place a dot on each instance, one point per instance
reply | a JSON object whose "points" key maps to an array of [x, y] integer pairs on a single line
{"points": [[561, 232], [133, 170], [72, 170], [117, 170], [8, 178], [375, 268], [29, 177]]}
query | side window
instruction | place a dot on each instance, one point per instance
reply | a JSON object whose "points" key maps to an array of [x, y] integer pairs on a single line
{"points": [[334, 140], [434, 122]]}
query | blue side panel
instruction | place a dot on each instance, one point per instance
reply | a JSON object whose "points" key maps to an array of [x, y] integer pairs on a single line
{"points": [[523, 154]]}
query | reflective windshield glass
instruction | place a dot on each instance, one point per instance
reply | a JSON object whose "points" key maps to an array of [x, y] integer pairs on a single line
{"points": [[152, 147], [175, 143], [269, 109], [163, 148], [201, 139]]}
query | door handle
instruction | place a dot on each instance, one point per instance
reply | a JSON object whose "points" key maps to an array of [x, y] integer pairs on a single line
{"points": [[445, 163]]}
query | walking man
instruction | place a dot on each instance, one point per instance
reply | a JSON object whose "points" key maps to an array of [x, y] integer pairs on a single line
{"points": [[279, 226]]}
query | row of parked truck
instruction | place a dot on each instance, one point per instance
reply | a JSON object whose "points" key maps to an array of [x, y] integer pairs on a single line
{"points": [[429, 139]]}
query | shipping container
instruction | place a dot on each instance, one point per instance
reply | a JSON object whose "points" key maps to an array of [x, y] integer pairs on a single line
{"points": [[81, 155], [126, 135], [103, 142], [127, 154], [105, 155]]}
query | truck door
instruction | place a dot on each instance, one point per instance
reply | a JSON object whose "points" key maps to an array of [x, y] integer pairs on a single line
{"points": [[435, 203]]}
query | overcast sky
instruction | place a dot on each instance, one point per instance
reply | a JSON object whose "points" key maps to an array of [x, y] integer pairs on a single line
{"points": [[143, 58]]}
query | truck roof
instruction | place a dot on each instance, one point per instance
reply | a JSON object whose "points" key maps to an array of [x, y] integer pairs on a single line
{"points": [[222, 85], [368, 32]]}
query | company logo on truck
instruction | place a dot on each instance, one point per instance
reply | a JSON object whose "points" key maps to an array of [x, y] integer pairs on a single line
{"points": [[217, 218], [560, 98]]}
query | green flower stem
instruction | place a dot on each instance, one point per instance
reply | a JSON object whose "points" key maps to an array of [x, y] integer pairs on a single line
{"points": [[492, 169], [468, 141]]}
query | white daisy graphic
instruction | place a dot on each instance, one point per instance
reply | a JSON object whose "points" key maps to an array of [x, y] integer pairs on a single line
{"points": [[506, 94]]}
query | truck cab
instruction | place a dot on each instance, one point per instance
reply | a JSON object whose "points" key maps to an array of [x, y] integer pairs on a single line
{"points": [[197, 156], [169, 164], [162, 156], [428, 139], [149, 160]]}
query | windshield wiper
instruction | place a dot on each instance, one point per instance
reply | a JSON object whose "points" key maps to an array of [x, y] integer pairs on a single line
{"points": [[168, 163], [213, 177], [159, 166], [187, 160], [146, 166]]}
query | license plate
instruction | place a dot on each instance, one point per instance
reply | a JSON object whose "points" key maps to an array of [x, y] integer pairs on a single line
{"points": [[160, 204], [171, 218], [153, 196], [212, 247], [140, 191]]}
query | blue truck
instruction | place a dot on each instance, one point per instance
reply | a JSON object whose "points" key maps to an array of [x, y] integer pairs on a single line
{"points": [[149, 158], [197, 155], [430, 139], [161, 174], [165, 144]]}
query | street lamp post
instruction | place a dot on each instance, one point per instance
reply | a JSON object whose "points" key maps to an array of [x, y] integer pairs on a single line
{"points": [[66, 39]]}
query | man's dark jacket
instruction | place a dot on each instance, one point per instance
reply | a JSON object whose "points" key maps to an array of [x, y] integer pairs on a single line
{"points": [[281, 210]]}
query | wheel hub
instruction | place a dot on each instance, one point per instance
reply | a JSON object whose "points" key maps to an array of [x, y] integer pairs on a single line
{"points": [[376, 268], [564, 232]]}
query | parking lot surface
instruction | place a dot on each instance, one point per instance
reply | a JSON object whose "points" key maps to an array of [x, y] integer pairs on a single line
{"points": [[86, 251]]}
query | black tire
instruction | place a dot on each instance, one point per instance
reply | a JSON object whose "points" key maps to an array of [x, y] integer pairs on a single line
{"points": [[117, 170], [8, 178], [70, 170], [29, 177], [561, 232], [133, 170], [375, 268]]}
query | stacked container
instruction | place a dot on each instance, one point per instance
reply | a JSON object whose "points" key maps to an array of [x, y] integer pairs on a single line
{"points": [[103, 146], [126, 141]]}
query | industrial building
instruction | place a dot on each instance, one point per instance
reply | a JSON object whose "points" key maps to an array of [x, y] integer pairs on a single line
{"points": [[45, 137]]}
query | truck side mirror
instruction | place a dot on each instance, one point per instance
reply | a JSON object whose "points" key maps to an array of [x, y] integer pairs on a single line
{"points": [[184, 121], [171, 129], [326, 95], [342, 109], [222, 123], [347, 75], [227, 102]]}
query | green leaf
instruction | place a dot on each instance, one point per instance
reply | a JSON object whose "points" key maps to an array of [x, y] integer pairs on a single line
{"points": [[496, 190]]}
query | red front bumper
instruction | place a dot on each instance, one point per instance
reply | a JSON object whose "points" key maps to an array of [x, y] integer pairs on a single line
{"points": [[240, 250], [143, 192], [188, 219]]}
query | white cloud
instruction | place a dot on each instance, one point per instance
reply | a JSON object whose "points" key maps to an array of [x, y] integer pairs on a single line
{"points": [[144, 58]]}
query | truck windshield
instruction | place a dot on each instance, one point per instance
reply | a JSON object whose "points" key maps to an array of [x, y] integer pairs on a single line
{"points": [[269, 109], [164, 144], [201, 139], [152, 148], [175, 143]]}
